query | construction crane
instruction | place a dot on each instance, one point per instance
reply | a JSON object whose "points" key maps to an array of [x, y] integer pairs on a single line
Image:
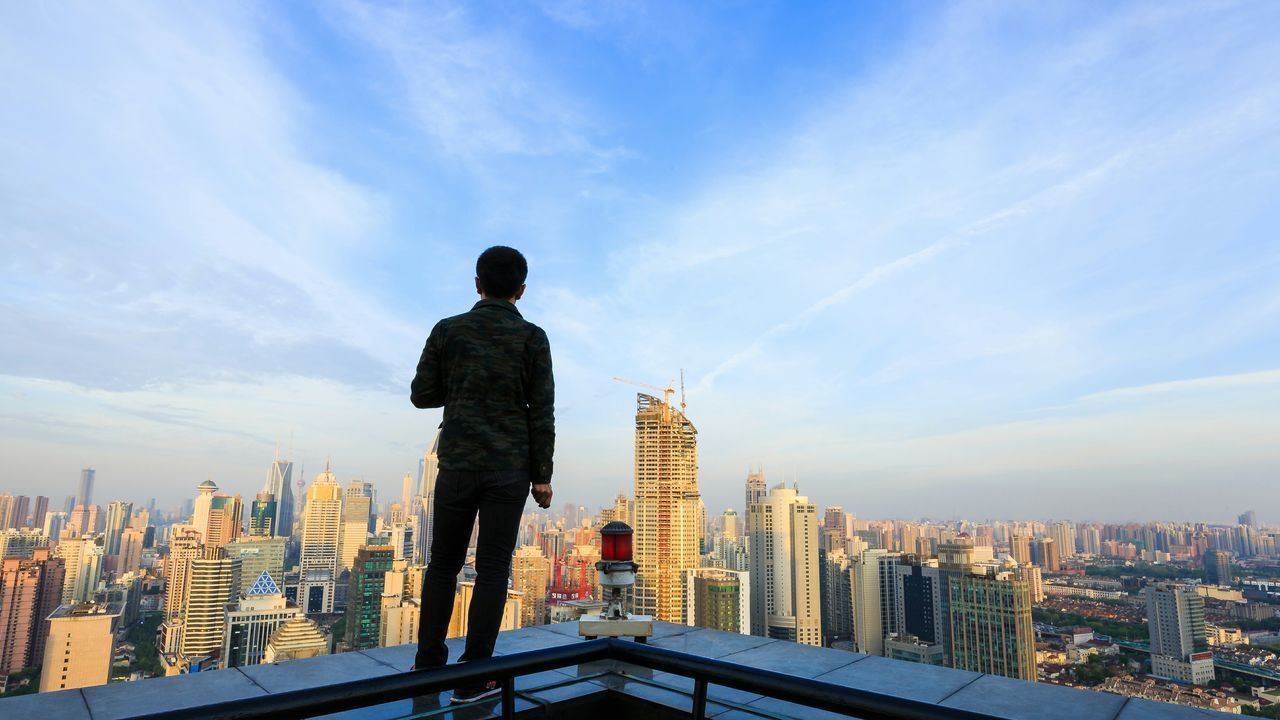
{"points": [[667, 391]]}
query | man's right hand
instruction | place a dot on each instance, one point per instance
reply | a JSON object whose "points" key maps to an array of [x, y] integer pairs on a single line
{"points": [[541, 494]]}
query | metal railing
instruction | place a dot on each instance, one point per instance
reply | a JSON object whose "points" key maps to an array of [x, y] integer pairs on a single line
{"points": [[505, 669]]}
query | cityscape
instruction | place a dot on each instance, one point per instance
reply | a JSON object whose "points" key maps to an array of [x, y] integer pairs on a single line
{"points": [[877, 359], [98, 590]]}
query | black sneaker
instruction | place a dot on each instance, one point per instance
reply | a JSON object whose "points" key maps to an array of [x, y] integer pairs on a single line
{"points": [[472, 693]]}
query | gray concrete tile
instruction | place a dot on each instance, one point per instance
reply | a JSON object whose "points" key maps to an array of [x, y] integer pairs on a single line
{"points": [[569, 629], [900, 679], [61, 704], [710, 643], [714, 692], [1138, 709], [120, 700], [400, 657], [526, 639], [1019, 700], [586, 688], [314, 672], [537, 680], [793, 658]]}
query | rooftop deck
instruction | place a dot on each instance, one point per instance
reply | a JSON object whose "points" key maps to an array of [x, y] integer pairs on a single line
{"points": [[631, 690]]}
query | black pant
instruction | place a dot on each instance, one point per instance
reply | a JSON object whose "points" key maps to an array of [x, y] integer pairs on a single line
{"points": [[498, 497]]}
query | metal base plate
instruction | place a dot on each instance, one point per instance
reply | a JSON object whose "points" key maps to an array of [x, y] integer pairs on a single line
{"points": [[594, 626]]}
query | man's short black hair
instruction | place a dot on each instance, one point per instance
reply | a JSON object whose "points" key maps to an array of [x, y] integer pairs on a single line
{"points": [[501, 271]]}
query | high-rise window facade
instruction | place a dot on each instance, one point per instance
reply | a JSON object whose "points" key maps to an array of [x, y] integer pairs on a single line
{"points": [[666, 507]]}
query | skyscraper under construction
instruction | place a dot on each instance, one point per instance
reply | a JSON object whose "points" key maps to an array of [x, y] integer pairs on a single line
{"points": [[666, 506]]}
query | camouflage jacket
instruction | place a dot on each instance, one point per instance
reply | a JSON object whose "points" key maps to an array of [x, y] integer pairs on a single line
{"points": [[490, 369]]}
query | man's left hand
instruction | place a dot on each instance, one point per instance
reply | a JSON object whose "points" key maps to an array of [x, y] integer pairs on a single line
{"points": [[541, 494]]}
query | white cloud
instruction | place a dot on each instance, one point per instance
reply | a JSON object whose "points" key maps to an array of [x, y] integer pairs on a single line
{"points": [[162, 220], [1216, 382], [473, 91]]}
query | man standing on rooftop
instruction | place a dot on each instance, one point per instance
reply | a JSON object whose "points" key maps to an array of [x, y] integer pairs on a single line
{"points": [[490, 369]]}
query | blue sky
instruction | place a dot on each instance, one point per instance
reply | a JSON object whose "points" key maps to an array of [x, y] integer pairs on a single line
{"points": [[943, 260]]}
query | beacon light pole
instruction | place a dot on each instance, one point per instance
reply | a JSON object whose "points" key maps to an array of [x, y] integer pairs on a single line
{"points": [[617, 573]]}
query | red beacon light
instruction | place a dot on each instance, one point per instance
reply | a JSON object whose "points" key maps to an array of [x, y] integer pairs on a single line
{"points": [[615, 542]]}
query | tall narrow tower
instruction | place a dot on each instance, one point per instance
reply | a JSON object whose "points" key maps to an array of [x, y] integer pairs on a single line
{"points": [[85, 494], [755, 489], [666, 507], [423, 505], [1175, 620], [280, 484], [321, 521], [357, 506], [785, 585]]}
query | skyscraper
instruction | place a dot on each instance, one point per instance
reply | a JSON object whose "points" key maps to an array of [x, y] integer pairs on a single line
{"points": [[184, 546], [873, 588], [364, 595], [118, 515], [20, 543], [30, 589], [357, 508], [202, 508], [919, 616], [7, 512], [218, 517], [258, 555], [1044, 552], [423, 504], [13, 511], [81, 645], [1179, 648], [262, 515], [1248, 518], [955, 560], [991, 631], [255, 617], [730, 524], [408, 487], [213, 581], [1090, 540], [719, 599], [83, 556], [756, 489], [1217, 567], [84, 519], [320, 529], [837, 596], [783, 532], [531, 575], [666, 507], [85, 494], [39, 511], [461, 618], [1020, 549], [1064, 538], [280, 486], [130, 557]]}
